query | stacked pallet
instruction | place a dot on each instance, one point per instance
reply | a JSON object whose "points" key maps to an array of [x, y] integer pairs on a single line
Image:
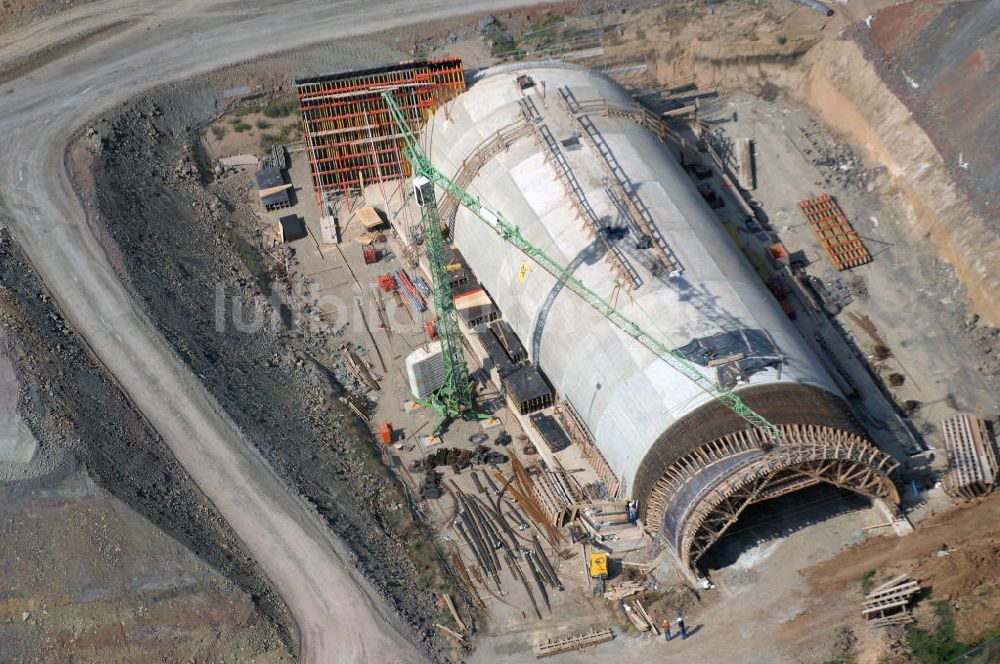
{"points": [[835, 232], [889, 604], [972, 461]]}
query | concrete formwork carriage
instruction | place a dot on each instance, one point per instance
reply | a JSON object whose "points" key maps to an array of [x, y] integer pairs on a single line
{"points": [[523, 140]]}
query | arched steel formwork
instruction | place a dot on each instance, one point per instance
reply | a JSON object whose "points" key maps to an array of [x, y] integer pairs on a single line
{"points": [[702, 494]]}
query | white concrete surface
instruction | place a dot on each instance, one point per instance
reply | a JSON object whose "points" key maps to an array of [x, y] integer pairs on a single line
{"points": [[627, 396]]}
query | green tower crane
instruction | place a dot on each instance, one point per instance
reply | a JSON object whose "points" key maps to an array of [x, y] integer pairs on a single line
{"points": [[454, 398], [426, 173]]}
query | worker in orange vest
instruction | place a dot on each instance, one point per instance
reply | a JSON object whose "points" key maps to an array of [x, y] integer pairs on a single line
{"points": [[665, 626]]}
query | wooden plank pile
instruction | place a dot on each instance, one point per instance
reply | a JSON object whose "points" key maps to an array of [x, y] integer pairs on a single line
{"points": [[744, 163], [972, 461], [580, 434], [359, 370], [835, 232], [569, 644], [623, 590], [889, 604]]}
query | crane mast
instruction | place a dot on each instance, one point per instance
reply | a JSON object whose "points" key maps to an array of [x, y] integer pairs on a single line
{"points": [[454, 398], [426, 171]]}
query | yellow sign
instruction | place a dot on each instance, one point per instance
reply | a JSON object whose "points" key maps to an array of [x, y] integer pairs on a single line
{"points": [[522, 274]]}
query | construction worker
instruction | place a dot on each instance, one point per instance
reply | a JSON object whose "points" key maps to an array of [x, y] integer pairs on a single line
{"points": [[665, 626], [681, 627]]}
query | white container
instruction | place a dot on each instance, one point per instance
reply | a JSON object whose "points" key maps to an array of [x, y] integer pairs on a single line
{"points": [[425, 370]]}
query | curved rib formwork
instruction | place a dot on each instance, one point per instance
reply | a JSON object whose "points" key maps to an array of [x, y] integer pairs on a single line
{"points": [[703, 493]]}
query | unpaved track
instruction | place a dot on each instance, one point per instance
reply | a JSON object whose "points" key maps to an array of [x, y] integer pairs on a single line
{"points": [[337, 617]]}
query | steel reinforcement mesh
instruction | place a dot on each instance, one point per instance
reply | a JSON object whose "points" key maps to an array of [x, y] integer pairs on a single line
{"points": [[781, 404]]}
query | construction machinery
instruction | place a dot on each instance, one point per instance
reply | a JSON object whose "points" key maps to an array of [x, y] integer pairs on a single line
{"points": [[455, 398], [599, 571]]}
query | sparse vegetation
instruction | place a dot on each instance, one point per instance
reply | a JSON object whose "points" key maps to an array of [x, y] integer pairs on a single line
{"points": [[868, 581], [940, 645], [240, 127], [280, 108], [268, 140], [262, 124], [286, 134], [843, 659], [781, 40], [503, 45], [219, 131], [544, 28]]}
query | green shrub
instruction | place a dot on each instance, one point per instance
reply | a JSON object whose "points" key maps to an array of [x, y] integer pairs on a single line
{"points": [[267, 141], [940, 645], [240, 127], [503, 45], [843, 659], [868, 581], [262, 124], [218, 131], [781, 39], [280, 108]]}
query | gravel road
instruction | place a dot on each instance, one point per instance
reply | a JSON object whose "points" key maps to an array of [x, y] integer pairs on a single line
{"points": [[45, 100]]}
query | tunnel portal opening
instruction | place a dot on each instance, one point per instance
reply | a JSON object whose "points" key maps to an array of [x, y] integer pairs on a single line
{"points": [[777, 518]]}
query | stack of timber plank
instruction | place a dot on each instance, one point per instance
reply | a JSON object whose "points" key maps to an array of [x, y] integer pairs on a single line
{"points": [[360, 370], [972, 461], [578, 432], [744, 164], [889, 604], [578, 642], [623, 590], [835, 232]]}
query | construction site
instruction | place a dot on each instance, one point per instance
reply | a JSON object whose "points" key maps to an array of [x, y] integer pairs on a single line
{"points": [[580, 347]]}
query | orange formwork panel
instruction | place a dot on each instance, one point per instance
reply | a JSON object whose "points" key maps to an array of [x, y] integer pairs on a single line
{"points": [[351, 137], [835, 232]]}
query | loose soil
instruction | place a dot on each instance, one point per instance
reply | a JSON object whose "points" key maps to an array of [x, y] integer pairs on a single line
{"points": [[953, 555], [252, 130]]}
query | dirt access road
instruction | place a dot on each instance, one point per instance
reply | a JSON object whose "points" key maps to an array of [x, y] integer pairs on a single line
{"points": [[54, 76]]}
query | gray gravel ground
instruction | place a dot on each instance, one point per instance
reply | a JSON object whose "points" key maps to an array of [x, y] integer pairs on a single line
{"points": [[336, 615]]}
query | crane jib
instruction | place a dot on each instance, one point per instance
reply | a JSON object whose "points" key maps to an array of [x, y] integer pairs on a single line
{"points": [[422, 166]]}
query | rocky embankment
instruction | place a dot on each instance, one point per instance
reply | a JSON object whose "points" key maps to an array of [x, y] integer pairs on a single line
{"points": [[79, 416], [184, 253]]}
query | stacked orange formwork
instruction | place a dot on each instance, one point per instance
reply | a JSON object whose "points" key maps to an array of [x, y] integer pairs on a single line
{"points": [[350, 135], [835, 233]]}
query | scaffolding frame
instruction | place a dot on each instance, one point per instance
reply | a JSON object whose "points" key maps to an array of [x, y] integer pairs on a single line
{"points": [[352, 139]]}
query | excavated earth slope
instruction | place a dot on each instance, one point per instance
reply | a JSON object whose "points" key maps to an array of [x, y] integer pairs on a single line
{"points": [[939, 134]]}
